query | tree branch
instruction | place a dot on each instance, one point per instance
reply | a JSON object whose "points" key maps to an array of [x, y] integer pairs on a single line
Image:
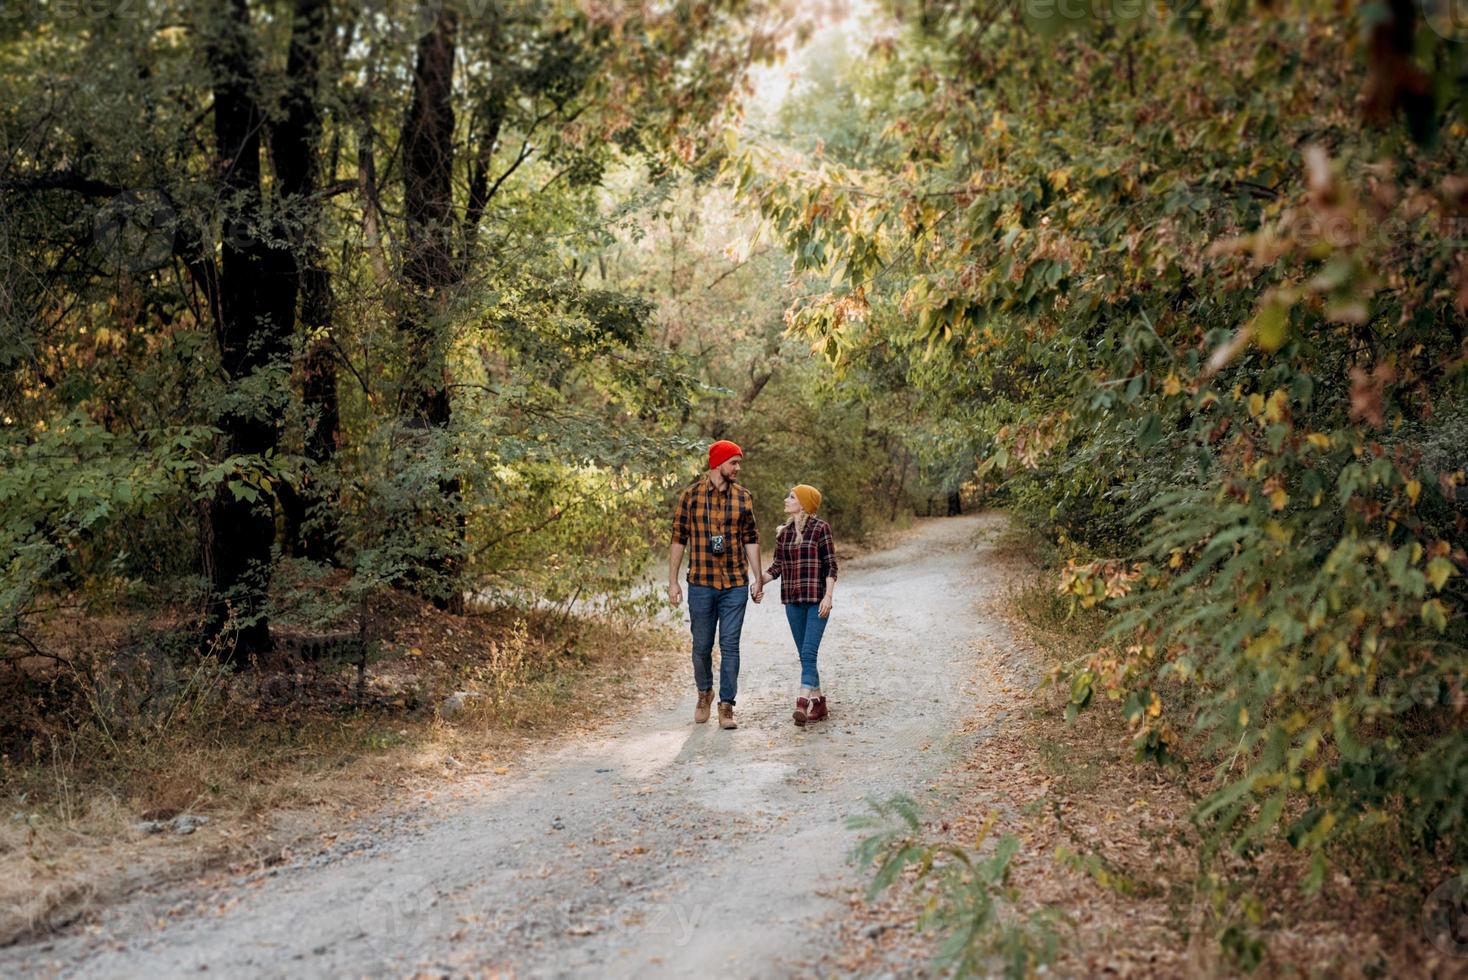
{"points": [[64, 180]]}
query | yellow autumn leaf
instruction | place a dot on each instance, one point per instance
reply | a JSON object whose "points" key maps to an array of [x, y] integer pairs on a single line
{"points": [[1278, 498], [1438, 572], [1319, 440], [1171, 385], [1256, 404], [1414, 490], [1274, 411]]}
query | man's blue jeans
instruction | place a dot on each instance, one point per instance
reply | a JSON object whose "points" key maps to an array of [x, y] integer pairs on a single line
{"points": [[722, 608], [807, 626]]}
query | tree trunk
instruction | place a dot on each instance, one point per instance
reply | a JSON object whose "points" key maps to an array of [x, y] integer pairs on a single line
{"points": [[258, 284], [428, 261], [319, 538], [897, 492], [309, 510]]}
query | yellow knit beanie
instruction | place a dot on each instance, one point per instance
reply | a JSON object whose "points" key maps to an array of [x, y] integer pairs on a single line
{"points": [[809, 497]]}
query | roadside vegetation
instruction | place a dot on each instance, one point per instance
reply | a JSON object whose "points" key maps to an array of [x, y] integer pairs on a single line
{"points": [[1190, 286]]}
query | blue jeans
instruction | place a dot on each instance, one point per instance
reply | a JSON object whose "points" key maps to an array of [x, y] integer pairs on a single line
{"points": [[708, 608], [807, 626]]}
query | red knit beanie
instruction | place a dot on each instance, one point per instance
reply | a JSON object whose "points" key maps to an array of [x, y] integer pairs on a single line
{"points": [[721, 452]]}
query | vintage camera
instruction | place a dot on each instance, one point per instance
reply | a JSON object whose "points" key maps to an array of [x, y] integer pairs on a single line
{"points": [[716, 543]]}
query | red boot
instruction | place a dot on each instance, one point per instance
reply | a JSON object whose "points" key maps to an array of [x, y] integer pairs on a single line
{"points": [[802, 707], [817, 710]]}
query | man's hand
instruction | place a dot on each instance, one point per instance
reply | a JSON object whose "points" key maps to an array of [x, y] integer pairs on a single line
{"points": [[675, 562], [757, 591]]}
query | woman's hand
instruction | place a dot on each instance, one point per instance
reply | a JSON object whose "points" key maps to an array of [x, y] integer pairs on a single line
{"points": [[825, 609], [767, 578]]}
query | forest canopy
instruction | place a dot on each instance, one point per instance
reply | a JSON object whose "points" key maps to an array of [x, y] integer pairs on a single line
{"points": [[298, 285]]}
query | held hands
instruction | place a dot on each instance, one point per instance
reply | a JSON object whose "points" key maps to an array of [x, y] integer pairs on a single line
{"points": [[757, 590]]}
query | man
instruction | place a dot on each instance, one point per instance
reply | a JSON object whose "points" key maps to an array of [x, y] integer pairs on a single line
{"points": [[714, 522]]}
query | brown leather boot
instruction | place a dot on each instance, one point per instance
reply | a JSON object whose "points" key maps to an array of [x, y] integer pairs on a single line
{"points": [[726, 716], [802, 708], [705, 700], [817, 710]]}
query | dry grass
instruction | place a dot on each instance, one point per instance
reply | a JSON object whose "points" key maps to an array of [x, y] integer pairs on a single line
{"points": [[277, 756]]}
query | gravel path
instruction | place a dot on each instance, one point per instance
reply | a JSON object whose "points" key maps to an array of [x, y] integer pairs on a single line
{"points": [[656, 848]]}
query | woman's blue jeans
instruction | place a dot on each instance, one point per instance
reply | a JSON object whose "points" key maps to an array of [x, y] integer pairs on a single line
{"points": [[722, 608], [806, 626]]}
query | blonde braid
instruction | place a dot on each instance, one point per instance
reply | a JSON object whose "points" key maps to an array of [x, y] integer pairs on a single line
{"points": [[799, 520]]}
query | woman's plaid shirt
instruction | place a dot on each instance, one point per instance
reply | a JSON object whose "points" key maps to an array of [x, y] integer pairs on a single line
{"points": [[704, 510], [803, 566]]}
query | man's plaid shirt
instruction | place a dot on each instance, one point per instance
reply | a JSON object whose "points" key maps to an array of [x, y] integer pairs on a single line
{"points": [[803, 566], [704, 510]]}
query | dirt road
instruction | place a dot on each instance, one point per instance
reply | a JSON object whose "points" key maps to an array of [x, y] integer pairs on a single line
{"points": [[657, 848]]}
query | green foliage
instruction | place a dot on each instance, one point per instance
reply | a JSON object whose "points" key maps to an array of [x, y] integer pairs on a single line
{"points": [[73, 497], [451, 406], [966, 893], [721, 296], [1198, 300]]}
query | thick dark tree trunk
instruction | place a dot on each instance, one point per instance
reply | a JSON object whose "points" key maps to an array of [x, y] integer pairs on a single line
{"points": [[309, 509], [318, 533], [428, 261], [258, 284]]}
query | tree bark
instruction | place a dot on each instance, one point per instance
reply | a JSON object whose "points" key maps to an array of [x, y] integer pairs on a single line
{"points": [[897, 490], [428, 260], [311, 529], [258, 285]]}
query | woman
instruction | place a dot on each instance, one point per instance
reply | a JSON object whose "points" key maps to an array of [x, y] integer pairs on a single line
{"points": [[805, 563]]}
